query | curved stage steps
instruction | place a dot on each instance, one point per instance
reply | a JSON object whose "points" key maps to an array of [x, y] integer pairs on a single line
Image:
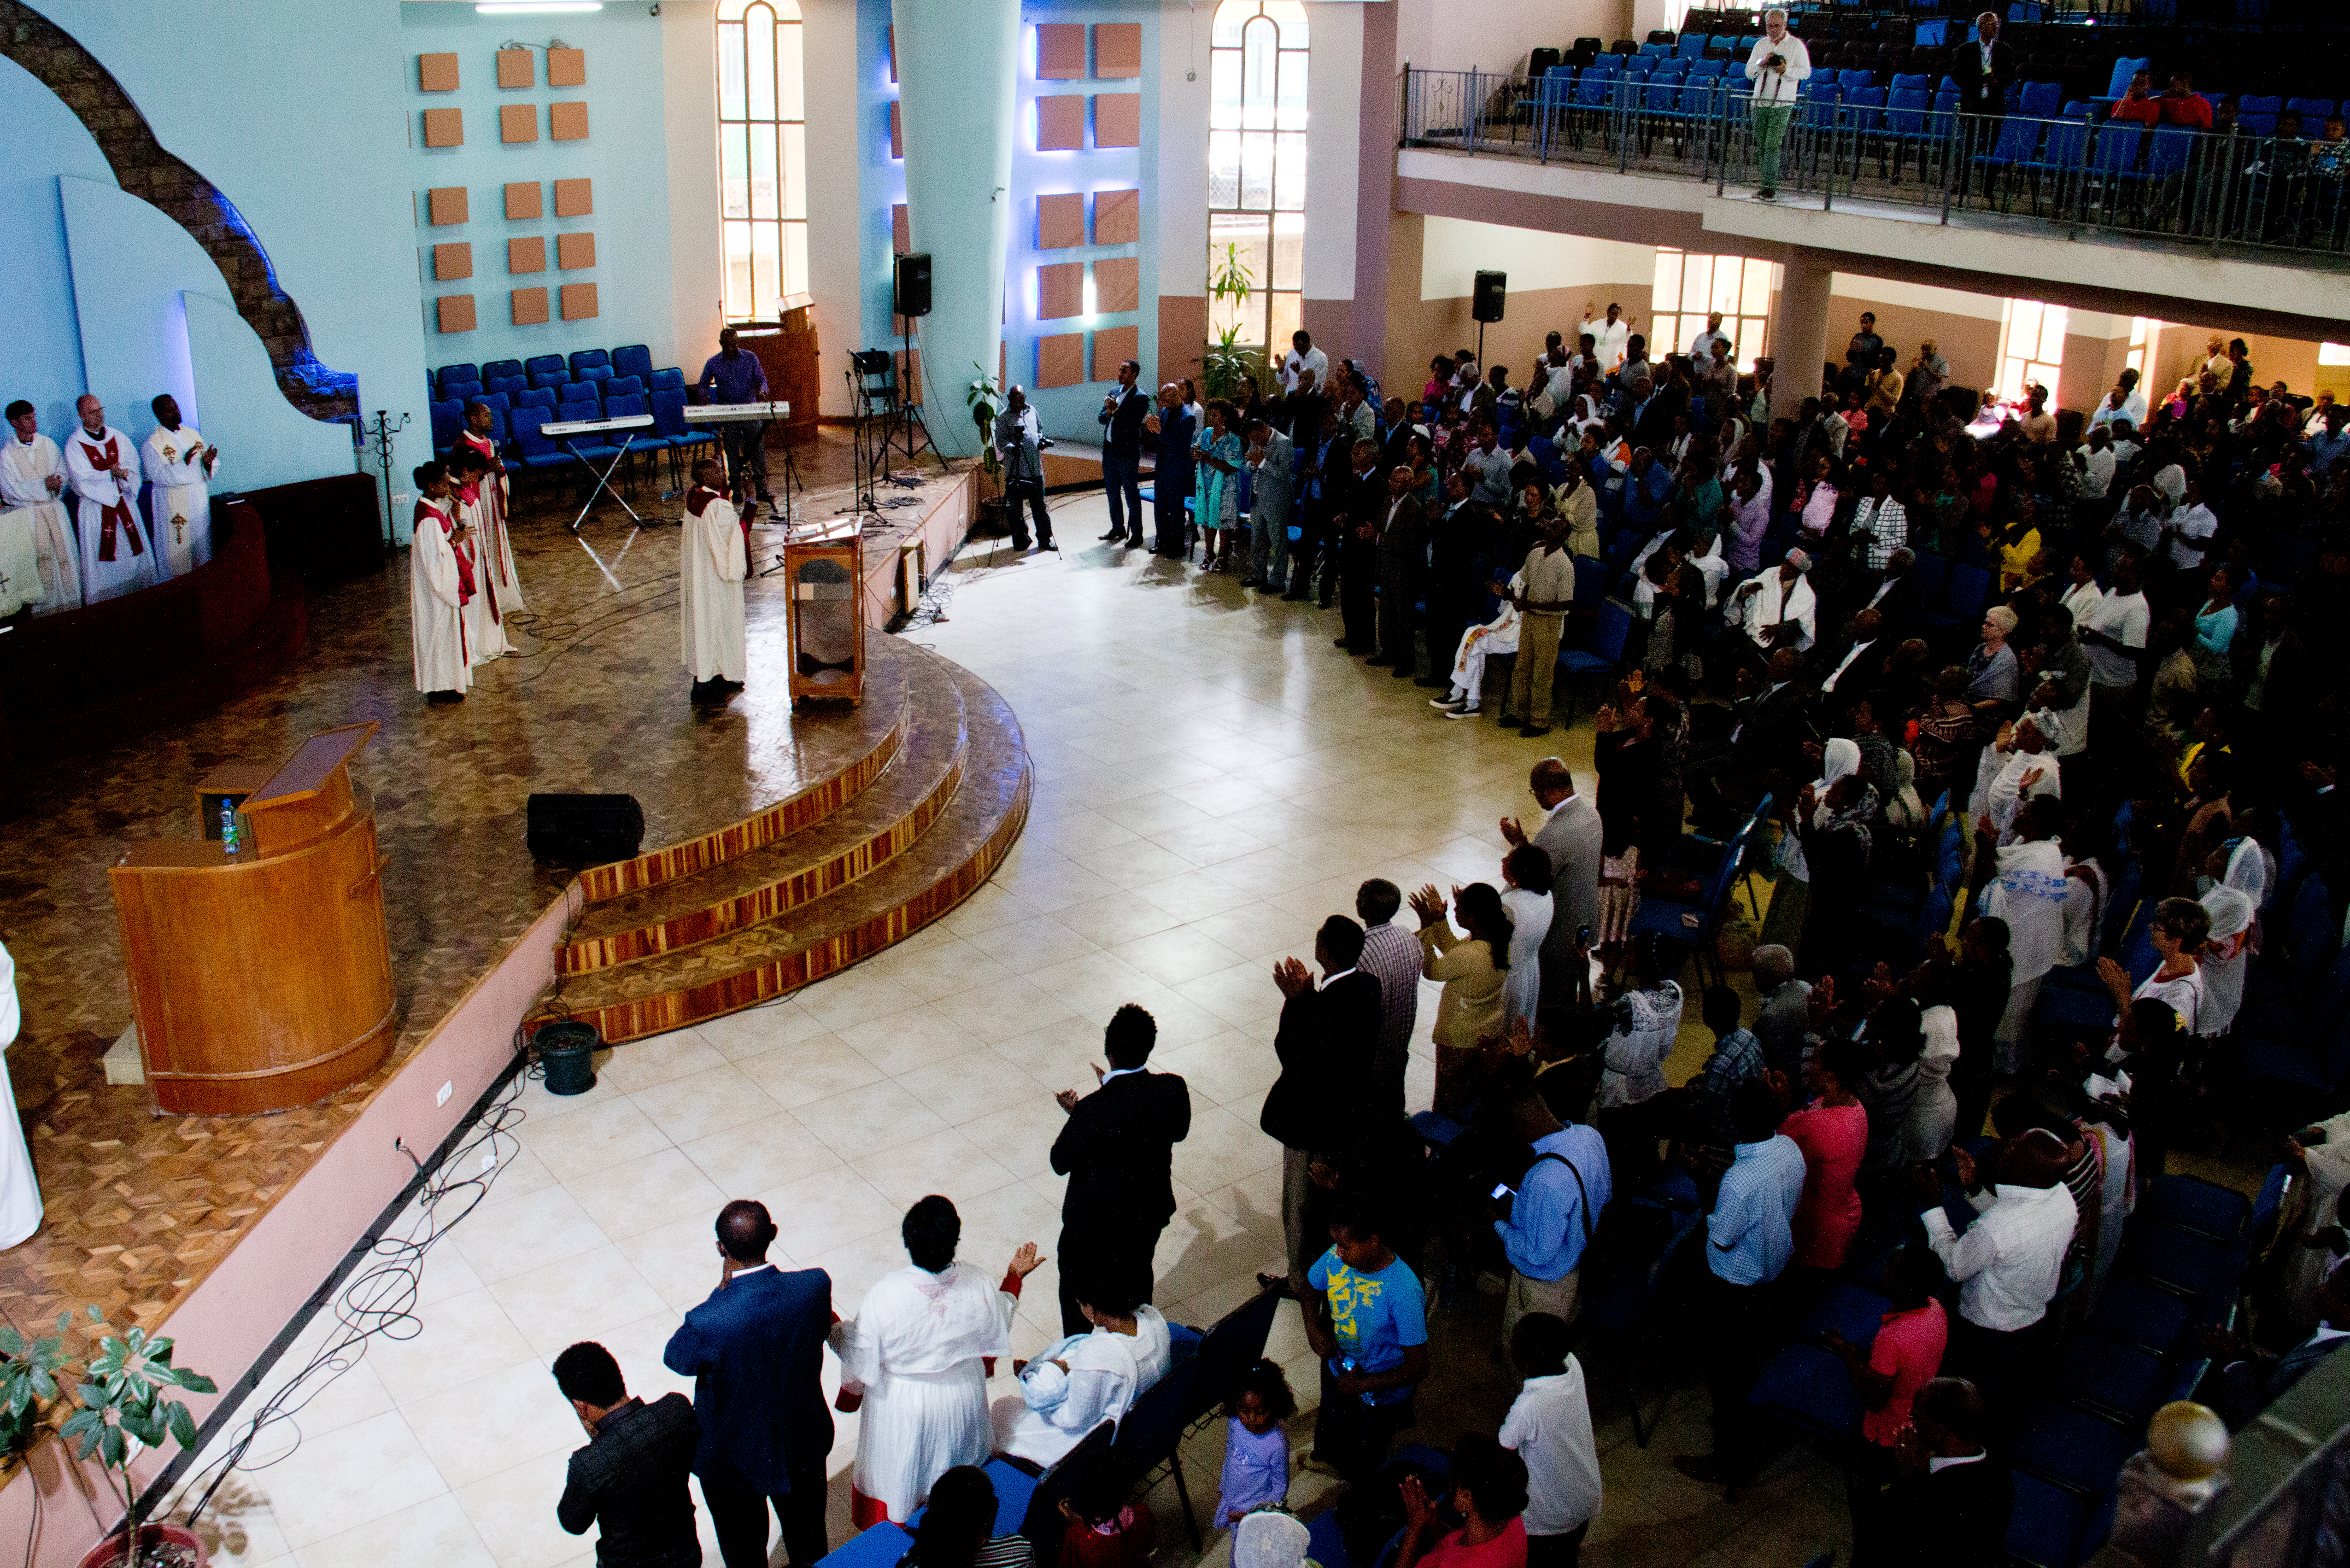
{"points": [[935, 797]]}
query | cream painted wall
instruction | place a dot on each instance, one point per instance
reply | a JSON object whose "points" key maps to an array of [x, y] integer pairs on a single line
{"points": [[1452, 250], [689, 112], [1876, 291], [1334, 79], [1175, 150], [1495, 36], [835, 227]]}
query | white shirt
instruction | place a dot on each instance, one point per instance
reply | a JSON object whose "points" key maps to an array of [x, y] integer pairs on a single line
{"points": [[2191, 531], [2124, 618], [1549, 1427], [1772, 88], [1857, 650], [1608, 337], [25, 469], [2133, 408], [2100, 466], [2012, 1258], [1312, 360], [1700, 350]]}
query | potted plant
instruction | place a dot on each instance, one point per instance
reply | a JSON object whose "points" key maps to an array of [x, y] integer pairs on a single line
{"points": [[1226, 358], [125, 1407], [984, 398], [29, 1373]]}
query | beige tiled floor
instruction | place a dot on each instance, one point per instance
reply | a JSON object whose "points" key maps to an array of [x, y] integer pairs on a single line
{"points": [[1212, 780]]}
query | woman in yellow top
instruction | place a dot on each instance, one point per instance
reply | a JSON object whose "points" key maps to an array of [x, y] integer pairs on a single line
{"points": [[1474, 970], [2018, 542]]}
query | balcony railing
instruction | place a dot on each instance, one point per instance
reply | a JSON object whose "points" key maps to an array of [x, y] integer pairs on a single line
{"points": [[2271, 195]]}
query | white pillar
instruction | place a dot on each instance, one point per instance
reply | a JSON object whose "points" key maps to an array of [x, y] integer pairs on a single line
{"points": [[1799, 330]]}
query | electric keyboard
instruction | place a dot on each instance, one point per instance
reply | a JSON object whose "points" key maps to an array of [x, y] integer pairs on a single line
{"points": [[561, 428], [728, 413]]}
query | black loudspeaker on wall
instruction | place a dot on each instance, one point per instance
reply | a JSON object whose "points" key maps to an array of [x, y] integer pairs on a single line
{"points": [[913, 284], [1486, 304], [584, 829]]}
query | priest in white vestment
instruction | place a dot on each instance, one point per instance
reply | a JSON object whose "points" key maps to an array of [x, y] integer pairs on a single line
{"points": [[716, 558], [179, 465], [20, 1191], [494, 548], [438, 586], [485, 631], [37, 562], [914, 1364], [1079, 1381], [101, 462]]}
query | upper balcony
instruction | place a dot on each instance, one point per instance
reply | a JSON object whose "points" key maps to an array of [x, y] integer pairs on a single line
{"points": [[1896, 182]]}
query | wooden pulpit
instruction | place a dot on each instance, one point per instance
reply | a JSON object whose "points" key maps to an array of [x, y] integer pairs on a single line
{"points": [[824, 565], [262, 978]]}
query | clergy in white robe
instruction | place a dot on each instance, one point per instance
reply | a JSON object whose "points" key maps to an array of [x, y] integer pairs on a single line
{"points": [[715, 560], [38, 563], [914, 1364], [102, 464], [179, 465], [438, 588], [495, 548], [485, 631], [20, 1191], [2021, 763], [1080, 1381]]}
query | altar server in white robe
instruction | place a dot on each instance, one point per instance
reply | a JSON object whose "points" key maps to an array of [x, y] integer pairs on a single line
{"points": [[485, 630], [20, 1191], [914, 1364], [716, 558], [179, 464], [494, 547], [37, 563], [101, 462], [439, 582], [1081, 1380]]}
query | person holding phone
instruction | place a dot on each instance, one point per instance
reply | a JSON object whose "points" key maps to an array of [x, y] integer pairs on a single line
{"points": [[1778, 66], [1546, 1223]]}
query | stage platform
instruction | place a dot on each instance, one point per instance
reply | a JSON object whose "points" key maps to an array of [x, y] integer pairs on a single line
{"points": [[813, 839]]}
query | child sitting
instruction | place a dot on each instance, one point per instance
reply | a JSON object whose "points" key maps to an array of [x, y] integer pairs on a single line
{"points": [[1256, 1450], [1103, 1530]]}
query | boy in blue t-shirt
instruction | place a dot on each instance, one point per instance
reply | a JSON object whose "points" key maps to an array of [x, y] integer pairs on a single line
{"points": [[1369, 1325]]}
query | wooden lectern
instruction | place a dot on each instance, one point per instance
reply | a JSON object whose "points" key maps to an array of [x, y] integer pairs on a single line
{"points": [[825, 568], [261, 980]]}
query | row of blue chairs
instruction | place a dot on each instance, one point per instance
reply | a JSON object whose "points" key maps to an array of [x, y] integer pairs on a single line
{"points": [[542, 370], [516, 428]]}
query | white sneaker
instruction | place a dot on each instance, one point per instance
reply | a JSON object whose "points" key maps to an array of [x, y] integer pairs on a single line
{"points": [[1442, 704], [1463, 712]]}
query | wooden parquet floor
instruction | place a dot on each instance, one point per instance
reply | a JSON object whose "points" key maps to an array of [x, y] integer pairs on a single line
{"points": [[139, 1207]]}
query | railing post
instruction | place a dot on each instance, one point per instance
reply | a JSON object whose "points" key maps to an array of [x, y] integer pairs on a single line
{"points": [[1623, 126], [1953, 154], [1722, 158]]}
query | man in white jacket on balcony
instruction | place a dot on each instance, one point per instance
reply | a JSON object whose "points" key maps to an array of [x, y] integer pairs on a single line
{"points": [[1778, 62]]}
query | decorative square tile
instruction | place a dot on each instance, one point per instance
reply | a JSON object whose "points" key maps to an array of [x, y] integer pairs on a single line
{"points": [[1061, 123], [1118, 217], [518, 123], [445, 204], [1118, 50], [436, 73], [454, 313], [517, 69], [567, 121], [524, 199], [574, 198], [567, 68], [444, 127]]}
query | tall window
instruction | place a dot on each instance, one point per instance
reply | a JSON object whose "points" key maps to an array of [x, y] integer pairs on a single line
{"points": [[2032, 348], [2143, 335], [1256, 168], [762, 156], [1687, 287]]}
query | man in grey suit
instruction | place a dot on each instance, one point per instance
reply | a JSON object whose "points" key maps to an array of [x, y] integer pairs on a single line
{"points": [[1570, 836]]}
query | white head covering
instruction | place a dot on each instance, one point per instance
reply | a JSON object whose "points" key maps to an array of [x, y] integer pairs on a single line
{"points": [[1269, 1540], [2231, 911], [2248, 871], [1840, 758]]}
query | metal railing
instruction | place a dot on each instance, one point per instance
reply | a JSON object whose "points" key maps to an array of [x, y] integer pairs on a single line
{"points": [[2267, 193]]}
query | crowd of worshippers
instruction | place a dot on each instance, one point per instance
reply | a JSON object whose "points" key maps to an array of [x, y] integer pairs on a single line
{"points": [[94, 514]]}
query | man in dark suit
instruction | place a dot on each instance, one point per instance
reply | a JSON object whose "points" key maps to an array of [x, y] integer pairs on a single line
{"points": [[1653, 410], [1948, 1506], [1327, 1041], [1983, 67], [755, 1353], [1897, 601], [1169, 431], [1122, 413], [1360, 508], [1118, 1152], [1402, 564], [631, 1478]]}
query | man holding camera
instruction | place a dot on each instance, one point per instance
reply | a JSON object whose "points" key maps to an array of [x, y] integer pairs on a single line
{"points": [[1778, 62]]}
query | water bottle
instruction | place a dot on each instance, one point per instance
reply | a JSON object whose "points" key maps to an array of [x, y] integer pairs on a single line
{"points": [[228, 826]]}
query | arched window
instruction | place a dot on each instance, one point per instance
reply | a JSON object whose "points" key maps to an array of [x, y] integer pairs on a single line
{"points": [[1256, 168], [762, 156]]}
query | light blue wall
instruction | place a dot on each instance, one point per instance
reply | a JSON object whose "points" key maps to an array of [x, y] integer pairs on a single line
{"points": [[882, 180], [625, 153], [40, 353], [292, 108]]}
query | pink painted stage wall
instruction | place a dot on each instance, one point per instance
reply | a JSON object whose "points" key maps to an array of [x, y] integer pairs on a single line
{"points": [[224, 1327]]}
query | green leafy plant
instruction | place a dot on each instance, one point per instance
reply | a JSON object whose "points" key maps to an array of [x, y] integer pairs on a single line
{"points": [[984, 398], [29, 1379], [124, 1394], [1226, 359]]}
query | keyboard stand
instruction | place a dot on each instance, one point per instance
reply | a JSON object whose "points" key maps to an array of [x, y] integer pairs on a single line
{"points": [[603, 480]]}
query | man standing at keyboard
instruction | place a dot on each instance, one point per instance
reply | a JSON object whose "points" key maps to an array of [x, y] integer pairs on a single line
{"points": [[734, 376]]}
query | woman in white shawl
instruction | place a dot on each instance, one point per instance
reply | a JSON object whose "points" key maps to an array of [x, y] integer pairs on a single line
{"points": [[2026, 889], [914, 1364], [1934, 1114], [1526, 895], [1790, 904], [1478, 644], [1586, 417]]}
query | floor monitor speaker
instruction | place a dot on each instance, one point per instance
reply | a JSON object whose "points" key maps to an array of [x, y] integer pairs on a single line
{"points": [[584, 829]]}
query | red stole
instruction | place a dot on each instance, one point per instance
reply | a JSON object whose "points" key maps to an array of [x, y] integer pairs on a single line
{"points": [[700, 497], [117, 514], [464, 566], [487, 447], [471, 496]]}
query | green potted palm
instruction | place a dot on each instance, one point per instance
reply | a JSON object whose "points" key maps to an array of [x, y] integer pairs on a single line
{"points": [[984, 398], [123, 1403]]}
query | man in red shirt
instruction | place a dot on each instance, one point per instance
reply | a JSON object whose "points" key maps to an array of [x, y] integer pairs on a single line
{"points": [[2182, 105], [2139, 102]]}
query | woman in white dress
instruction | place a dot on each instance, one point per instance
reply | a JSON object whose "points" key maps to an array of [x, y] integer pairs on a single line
{"points": [[1084, 1379], [1934, 1114], [1526, 895], [20, 1189], [914, 1363]]}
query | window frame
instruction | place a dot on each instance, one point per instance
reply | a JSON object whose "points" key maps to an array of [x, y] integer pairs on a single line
{"points": [[772, 147], [1263, 127]]}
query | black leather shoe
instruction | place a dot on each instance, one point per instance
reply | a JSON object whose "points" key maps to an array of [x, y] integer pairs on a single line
{"points": [[1403, 672], [1533, 732], [1296, 598], [1113, 534]]}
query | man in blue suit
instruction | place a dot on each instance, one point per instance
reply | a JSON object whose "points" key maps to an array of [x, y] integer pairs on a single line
{"points": [[756, 1351]]}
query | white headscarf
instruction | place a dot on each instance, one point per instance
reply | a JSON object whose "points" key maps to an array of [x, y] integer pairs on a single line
{"points": [[1840, 758], [1269, 1540], [2248, 871]]}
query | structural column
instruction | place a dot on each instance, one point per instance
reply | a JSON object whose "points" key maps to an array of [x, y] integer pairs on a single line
{"points": [[1799, 330], [956, 64]]}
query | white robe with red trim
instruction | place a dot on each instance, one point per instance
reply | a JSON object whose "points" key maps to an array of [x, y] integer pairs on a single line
{"points": [[485, 612], [497, 548], [714, 560], [116, 558], [436, 605]]}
